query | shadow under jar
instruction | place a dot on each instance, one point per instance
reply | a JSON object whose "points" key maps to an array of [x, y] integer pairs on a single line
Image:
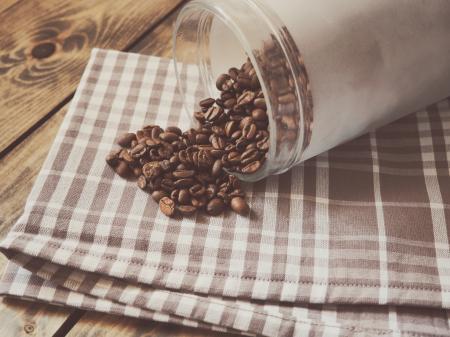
{"points": [[329, 71]]}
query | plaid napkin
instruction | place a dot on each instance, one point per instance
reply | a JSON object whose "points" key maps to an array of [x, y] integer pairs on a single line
{"points": [[353, 242]]}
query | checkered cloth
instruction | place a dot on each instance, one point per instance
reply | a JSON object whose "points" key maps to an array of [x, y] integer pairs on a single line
{"points": [[353, 242]]}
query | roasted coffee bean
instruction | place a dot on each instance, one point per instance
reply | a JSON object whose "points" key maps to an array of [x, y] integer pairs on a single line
{"points": [[217, 153], [142, 182], [122, 169], [263, 145], [197, 190], [215, 206], [154, 184], [179, 174], [158, 195], [152, 170], [126, 156], [239, 205], [216, 170], [221, 81], [137, 171], [211, 191], [138, 151], [167, 206], [236, 135], [113, 158], [186, 209], [231, 127], [260, 103], [167, 185], [234, 157], [246, 98], [165, 151], [151, 142], [207, 102], [199, 116], [259, 115], [174, 194], [213, 113], [244, 81], [201, 138], [234, 73], [126, 139], [229, 103], [245, 121], [224, 196], [241, 143], [168, 136], [217, 142], [252, 167], [184, 197], [140, 134], [184, 183], [249, 131], [199, 202], [165, 165]]}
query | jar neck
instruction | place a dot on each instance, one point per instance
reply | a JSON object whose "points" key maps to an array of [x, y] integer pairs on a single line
{"points": [[209, 33]]}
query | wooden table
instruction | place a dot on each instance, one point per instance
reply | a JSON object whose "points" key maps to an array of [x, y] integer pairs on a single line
{"points": [[44, 47]]}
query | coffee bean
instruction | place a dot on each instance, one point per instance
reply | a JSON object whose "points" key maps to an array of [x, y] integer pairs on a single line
{"points": [[234, 157], [213, 113], [186, 209], [249, 131], [197, 190], [239, 205], [167, 185], [252, 167], [246, 98], [201, 138], [126, 139], [221, 81], [199, 203], [260, 103], [126, 156], [215, 206], [122, 169], [138, 151], [183, 183], [168, 136], [229, 103], [217, 142], [152, 170], [137, 171], [259, 115], [184, 197], [158, 195], [245, 121], [167, 206], [231, 127], [142, 182], [207, 102], [217, 168], [234, 73], [113, 158], [183, 173]]}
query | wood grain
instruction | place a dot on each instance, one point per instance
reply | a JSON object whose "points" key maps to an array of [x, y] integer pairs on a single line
{"points": [[102, 325], [44, 46], [19, 167]]}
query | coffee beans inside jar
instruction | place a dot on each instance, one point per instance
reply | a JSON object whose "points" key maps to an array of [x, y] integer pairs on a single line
{"points": [[192, 170]]}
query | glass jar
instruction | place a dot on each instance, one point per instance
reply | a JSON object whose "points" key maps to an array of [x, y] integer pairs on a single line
{"points": [[329, 71]]}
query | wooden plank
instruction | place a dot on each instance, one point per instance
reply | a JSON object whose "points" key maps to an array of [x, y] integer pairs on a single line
{"points": [[21, 318], [45, 45], [18, 170], [103, 325]]}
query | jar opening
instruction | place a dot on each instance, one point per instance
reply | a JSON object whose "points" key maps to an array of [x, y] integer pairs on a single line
{"points": [[213, 36]]}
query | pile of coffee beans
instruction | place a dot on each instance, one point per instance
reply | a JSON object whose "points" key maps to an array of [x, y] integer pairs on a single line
{"points": [[186, 171]]}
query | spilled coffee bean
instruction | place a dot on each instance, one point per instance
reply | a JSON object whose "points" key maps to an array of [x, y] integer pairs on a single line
{"points": [[192, 170]]}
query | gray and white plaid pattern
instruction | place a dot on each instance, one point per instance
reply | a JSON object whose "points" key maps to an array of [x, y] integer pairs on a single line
{"points": [[365, 223]]}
